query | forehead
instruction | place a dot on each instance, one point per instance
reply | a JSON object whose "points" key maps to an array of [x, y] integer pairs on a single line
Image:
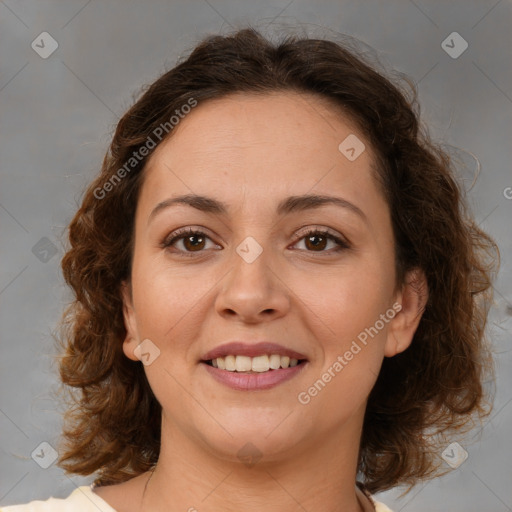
{"points": [[250, 142], [296, 119]]}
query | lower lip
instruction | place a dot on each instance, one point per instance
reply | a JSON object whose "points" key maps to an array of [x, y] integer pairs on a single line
{"points": [[254, 381]]}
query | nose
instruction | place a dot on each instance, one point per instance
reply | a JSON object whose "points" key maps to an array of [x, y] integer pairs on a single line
{"points": [[253, 291]]}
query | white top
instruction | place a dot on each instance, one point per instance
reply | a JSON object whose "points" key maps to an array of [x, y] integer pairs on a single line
{"points": [[83, 499]]}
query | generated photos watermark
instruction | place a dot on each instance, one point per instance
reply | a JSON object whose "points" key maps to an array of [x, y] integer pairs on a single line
{"points": [[137, 156], [304, 397]]}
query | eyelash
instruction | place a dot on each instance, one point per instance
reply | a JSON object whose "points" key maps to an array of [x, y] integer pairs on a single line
{"points": [[186, 232]]}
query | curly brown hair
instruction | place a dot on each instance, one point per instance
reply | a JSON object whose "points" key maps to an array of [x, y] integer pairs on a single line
{"points": [[436, 386]]}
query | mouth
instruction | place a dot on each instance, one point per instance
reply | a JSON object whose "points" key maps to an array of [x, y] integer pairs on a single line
{"points": [[253, 366], [244, 373], [249, 365]]}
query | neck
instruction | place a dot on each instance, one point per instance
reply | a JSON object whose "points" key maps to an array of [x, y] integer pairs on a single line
{"points": [[320, 477]]}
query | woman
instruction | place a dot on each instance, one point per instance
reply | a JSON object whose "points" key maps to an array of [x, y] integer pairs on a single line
{"points": [[278, 291]]}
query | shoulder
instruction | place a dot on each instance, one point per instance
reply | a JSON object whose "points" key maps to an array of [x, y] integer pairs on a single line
{"points": [[82, 499], [379, 507]]}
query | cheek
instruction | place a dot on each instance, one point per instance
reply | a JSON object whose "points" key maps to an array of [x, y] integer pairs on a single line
{"points": [[351, 337], [168, 303], [350, 331], [360, 320], [348, 300]]}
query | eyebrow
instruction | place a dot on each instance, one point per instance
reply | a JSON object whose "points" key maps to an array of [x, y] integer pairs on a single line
{"points": [[289, 205]]}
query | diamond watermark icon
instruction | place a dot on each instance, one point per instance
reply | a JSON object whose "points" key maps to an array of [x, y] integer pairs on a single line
{"points": [[146, 352], [351, 147], [44, 455], [249, 454], [249, 249], [44, 45], [44, 250], [454, 455], [454, 45]]}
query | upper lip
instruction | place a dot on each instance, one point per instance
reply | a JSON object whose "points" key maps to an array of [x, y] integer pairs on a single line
{"points": [[241, 348]]}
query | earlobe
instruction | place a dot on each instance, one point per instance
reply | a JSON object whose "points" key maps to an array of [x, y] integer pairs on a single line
{"points": [[413, 298], [129, 346], [131, 340]]}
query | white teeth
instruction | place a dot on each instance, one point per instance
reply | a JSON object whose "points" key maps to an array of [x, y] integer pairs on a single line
{"points": [[259, 364], [243, 364], [230, 363], [275, 361]]}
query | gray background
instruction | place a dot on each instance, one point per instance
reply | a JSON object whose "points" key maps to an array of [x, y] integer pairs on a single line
{"points": [[57, 117]]}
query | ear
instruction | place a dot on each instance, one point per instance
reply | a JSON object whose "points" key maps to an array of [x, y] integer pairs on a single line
{"points": [[412, 297], [132, 337]]}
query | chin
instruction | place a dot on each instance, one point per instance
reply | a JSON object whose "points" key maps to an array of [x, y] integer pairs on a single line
{"points": [[251, 442]]}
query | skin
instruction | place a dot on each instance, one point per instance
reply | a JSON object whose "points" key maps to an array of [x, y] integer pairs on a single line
{"points": [[315, 301]]}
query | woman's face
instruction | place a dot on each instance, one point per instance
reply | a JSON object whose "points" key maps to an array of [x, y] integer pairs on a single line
{"points": [[254, 275]]}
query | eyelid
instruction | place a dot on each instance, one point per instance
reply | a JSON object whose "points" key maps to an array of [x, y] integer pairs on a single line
{"points": [[180, 233], [340, 240], [342, 243], [301, 232]]}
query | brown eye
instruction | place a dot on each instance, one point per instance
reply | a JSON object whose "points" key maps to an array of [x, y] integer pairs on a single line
{"points": [[192, 241], [317, 241]]}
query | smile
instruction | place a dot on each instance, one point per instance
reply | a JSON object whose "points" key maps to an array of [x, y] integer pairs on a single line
{"points": [[259, 364], [245, 373]]}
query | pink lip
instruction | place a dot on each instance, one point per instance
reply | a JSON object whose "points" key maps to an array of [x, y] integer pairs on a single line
{"points": [[253, 381], [239, 348]]}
